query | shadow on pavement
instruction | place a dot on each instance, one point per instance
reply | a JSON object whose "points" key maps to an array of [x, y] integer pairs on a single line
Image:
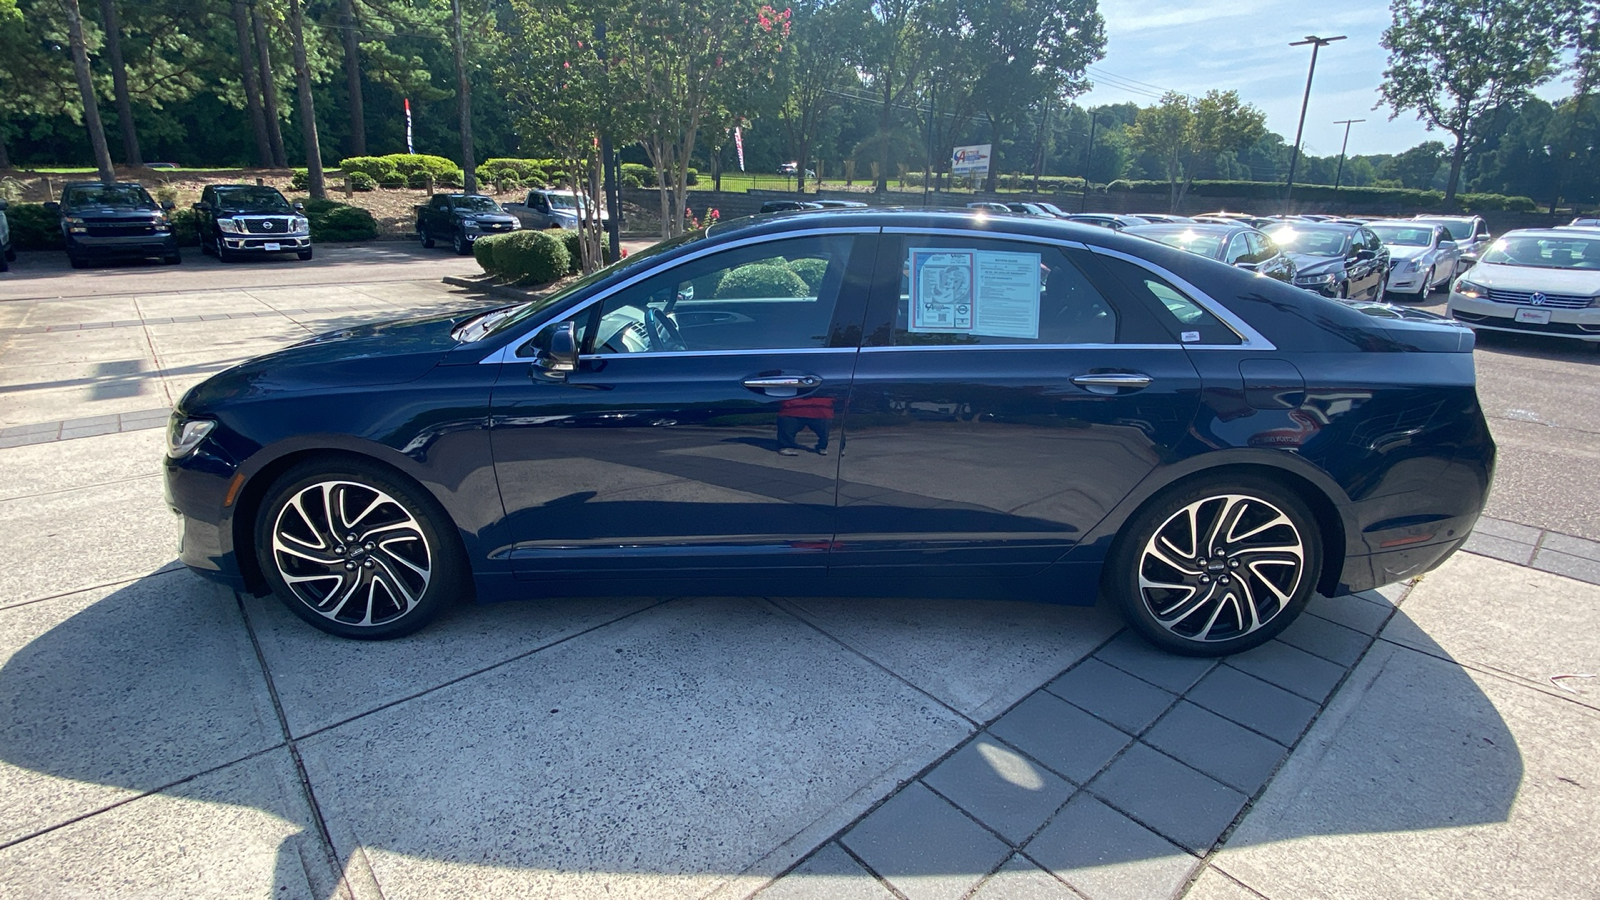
{"points": [[683, 742]]}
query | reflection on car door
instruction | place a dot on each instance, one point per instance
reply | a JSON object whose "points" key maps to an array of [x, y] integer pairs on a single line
{"points": [[661, 453], [988, 445]]}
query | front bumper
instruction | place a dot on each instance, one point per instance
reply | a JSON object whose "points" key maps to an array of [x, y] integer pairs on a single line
{"points": [[195, 488], [1406, 282], [277, 243], [88, 246], [1581, 324]]}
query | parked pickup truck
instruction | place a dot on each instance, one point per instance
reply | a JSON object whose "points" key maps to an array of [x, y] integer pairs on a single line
{"points": [[113, 221], [461, 219], [551, 209]]}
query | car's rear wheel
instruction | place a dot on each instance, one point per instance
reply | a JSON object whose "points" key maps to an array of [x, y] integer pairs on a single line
{"points": [[357, 551], [1216, 565]]}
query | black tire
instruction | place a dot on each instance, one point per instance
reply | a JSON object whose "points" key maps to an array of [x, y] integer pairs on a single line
{"points": [[5, 262], [224, 255], [422, 235], [172, 259], [11, 254], [1147, 580], [460, 244], [76, 261], [304, 254], [399, 581]]}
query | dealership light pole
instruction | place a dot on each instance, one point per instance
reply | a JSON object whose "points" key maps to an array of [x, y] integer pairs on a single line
{"points": [[1342, 148], [1317, 43]]}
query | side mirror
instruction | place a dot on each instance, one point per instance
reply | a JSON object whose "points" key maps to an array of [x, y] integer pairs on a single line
{"points": [[1365, 255], [1447, 245], [299, 207], [560, 358], [53, 208], [168, 205], [202, 206]]}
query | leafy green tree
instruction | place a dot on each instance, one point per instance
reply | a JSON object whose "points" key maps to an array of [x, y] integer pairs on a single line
{"points": [[78, 47], [811, 75], [1417, 167], [1183, 131], [890, 52], [1451, 61]]}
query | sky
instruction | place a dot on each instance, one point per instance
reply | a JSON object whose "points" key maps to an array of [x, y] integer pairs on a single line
{"points": [[1243, 45]]}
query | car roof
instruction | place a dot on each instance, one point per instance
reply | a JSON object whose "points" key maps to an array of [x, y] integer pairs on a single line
{"points": [[1180, 227], [1559, 231], [1309, 223]]}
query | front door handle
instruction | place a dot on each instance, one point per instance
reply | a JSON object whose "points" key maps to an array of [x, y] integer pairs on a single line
{"points": [[795, 382], [1111, 382]]}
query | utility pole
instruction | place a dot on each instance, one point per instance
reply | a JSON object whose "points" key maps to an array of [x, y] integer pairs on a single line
{"points": [[1317, 43], [1342, 148], [469, 173], [927, 165], [1088, 160]]}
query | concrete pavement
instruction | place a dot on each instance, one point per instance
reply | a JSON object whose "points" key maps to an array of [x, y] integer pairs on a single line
{"points": [[161, 737]]}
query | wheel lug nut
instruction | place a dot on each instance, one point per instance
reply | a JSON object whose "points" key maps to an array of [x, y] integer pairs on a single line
{"points": [[349, 539], [1233, 563], [368, 545], [1225, 579], [350, 566], [1205, 579], [368, 564]]}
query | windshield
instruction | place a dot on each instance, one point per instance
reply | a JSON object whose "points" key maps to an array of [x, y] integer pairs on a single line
{"points": [[1205, 243], [119, 196], [1404, 235], [565, 201], [475, 204], [1310, 240], [253, 199], [1536, 252], [534, 307], [1455, 231]]}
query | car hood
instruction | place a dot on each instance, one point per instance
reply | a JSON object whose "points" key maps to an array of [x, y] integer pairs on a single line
{"points": [[1399, 253], [1527, 278], [1316, 265], [224, 212], [486, 217], [383, 353], [110, 212]]}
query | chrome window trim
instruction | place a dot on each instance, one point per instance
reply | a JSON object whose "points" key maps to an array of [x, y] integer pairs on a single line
{"points": [[508, 352], [972, 233], [921, 347], [699, 353], [1250, 339]]}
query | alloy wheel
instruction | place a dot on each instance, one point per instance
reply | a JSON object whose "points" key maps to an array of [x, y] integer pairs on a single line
{"points": [[1221, 567], [351, 553]]}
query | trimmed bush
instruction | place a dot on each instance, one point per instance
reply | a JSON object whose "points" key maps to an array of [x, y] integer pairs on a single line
{"points": [[452, 179], [761, 280], [645, 174], [630, 180], [409, 163], [692, 177], [525, 170], [483, 252], [361, 181], [379, 168], [184, 227], [811, 271], [508, 183], [300, 180], [334, 221], [530, 257], [34, 228]]}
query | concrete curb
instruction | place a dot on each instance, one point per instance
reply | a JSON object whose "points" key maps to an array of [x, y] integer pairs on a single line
{"points": [[486, 286]]}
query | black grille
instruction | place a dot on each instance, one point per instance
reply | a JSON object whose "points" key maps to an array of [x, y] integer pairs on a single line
{"points": [[118, 228], [266, 225], [494, 226]]}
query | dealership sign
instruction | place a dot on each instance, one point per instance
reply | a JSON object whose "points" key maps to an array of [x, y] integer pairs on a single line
{"points": [[973, 160]]}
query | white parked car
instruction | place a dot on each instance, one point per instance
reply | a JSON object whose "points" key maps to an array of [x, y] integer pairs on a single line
{"points": [[1424, 256], [1540, 280], [1470, 233]]}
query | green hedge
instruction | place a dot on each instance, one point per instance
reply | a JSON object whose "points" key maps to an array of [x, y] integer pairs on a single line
{"points": [[1360, 196], [361, 181], [761, 280], [335, 221], [525, 170], [811, 271], [527, 257], [34, 228], [185, 227], [646, 175], [483, 252]]}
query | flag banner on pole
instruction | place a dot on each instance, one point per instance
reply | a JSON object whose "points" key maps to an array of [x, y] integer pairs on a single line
{"points": [[409, 148], [738, 144]]}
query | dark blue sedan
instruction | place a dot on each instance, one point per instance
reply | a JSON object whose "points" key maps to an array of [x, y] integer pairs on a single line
{"points": [[851, 402]]}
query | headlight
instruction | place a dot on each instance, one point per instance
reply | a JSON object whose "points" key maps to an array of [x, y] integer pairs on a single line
{"points": [[516, 224], [231, 226], [76, 224], [160, 218], [470, 225], [1470, 290], [300, 223], [183, 435], [1327, 278], [1406, 265]]}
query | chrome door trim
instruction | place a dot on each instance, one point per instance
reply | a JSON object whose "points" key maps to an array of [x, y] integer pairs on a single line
{"points": [[667, 354], [1113, 379], [508, 352]]}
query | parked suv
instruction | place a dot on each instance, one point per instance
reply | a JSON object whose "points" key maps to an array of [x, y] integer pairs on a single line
{"points": [[551, 209], [461, 219], [6, 253], [237, 220], [114, 221]]}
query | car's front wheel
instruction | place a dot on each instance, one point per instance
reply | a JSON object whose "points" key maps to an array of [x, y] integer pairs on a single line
{"points": [[460, 244], [357, 551], [422, 235], [1215, 566]]}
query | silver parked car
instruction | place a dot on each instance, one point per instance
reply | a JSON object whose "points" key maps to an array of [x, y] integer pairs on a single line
{"points": [[550, 209], [1470, 233], [1540, 280], [1424, 256]]}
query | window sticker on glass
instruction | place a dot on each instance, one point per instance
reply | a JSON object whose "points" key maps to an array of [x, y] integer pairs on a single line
{"points": [[974, 292]]}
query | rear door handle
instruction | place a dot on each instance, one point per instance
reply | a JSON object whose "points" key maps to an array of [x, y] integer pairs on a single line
{"points": [[1111, 382], [763, 382]]}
